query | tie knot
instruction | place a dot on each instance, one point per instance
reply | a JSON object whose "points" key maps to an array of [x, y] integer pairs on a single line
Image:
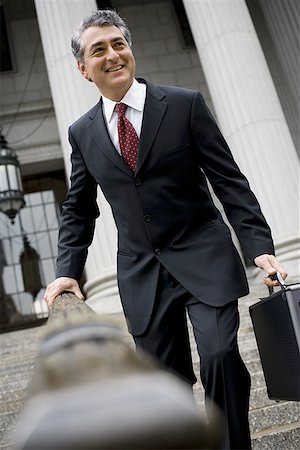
{"points": [[121, 109]]}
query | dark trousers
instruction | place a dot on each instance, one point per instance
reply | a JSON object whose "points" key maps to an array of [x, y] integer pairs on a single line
{"points": [[223, 374]]}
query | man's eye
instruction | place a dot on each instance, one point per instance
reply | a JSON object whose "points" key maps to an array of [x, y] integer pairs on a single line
{"points": [[119, 44], [97, 50]]}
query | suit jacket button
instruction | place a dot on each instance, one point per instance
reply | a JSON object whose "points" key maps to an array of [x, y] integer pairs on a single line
{"points": [[157, 251], [138, 182], [147, 218]]}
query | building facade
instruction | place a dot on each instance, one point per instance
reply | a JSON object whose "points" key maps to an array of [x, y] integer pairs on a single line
{"points": [[243, 56]]}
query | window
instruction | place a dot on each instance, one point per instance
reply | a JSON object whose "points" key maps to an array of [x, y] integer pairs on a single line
{"points": [[28, 251], [5, 55]]}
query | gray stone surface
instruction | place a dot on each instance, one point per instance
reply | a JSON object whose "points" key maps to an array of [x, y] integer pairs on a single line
{"points": [[18, 352], [276, 415], [286, 438]]}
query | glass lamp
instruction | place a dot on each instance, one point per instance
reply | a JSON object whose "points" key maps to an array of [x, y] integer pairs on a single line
{"points": [[11, 188]]}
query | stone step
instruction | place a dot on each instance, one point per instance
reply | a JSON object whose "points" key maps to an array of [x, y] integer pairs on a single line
{"points": [[258, 398], [18, 342], [18, 354], [17, 394], [257, 378], [16, 359], [266, 416], [246, 331], [7, 421], [9, 412], [249, 355], [12, 406], [199, 398], [24, 370], [286, 437], [8, 446], [248, 345], [279, 414], [13, 385], [245, 318], [7, 440], [253, 365]]}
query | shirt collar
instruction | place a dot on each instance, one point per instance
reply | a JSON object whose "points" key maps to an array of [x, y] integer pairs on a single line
{"points": [[134, 98]]}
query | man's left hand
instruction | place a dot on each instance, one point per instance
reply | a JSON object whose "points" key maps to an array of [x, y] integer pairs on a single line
{"points": [[270, 265]]}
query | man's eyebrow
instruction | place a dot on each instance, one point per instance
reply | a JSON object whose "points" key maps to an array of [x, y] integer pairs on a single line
{"points": [[97, 44]]}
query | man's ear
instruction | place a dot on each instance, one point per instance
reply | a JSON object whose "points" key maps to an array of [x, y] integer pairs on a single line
{"points": [[82, 70]]}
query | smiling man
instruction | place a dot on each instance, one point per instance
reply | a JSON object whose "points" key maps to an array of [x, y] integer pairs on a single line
{"points": [[107, 61], [151, 150]]}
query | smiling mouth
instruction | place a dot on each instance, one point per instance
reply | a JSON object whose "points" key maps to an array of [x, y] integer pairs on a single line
{"points": [[115, 68]]}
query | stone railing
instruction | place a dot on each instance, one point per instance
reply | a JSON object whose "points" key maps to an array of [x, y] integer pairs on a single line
{"points": [[91, 390]]}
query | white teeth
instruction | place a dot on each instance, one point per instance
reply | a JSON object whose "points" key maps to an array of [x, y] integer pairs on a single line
{"points": [[114, 69]]}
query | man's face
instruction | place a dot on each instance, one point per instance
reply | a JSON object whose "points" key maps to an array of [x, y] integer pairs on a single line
{"points": [[108, 61]]}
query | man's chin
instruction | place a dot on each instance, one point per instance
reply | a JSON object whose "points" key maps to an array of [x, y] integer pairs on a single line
{"points": [[121, 82], [116, 89]]}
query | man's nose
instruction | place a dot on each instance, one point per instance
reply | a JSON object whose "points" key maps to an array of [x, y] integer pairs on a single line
{"points": [[111, 54]]}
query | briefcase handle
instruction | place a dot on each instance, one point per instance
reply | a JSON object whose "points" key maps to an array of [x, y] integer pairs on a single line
{"points": [[277, 276]]}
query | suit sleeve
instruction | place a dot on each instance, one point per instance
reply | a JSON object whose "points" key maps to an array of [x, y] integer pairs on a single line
{"points": [[229, 184], [77, 223]]}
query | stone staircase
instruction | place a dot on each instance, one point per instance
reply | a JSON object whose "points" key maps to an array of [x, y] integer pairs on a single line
{"points": [[18, 350], [273, 425]]}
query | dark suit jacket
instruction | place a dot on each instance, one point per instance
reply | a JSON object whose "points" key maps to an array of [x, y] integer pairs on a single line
{"points": [[164, 212]]}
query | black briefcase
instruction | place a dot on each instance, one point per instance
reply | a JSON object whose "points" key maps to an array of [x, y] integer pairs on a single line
{"points": [[276, 324]]}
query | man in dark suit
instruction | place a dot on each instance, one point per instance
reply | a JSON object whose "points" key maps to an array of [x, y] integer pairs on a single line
{"points": [[175, 253]]}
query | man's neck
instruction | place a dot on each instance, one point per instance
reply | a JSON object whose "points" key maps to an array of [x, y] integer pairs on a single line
{"points": [[116, 95]]}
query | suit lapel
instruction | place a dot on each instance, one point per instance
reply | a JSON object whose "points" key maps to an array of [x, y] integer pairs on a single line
{"points": [[154, 112], [99, 132]]}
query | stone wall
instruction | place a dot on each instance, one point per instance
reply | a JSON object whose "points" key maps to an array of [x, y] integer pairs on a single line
{"points": [[159, 49], [26, 102]]}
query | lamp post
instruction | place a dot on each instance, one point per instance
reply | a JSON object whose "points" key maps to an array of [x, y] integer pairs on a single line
{"points": [[30, 266], [11, 188]]}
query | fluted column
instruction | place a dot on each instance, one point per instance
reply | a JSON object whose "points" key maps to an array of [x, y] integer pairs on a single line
{"points": [[250, 114], [73, 96], [283, 21]]}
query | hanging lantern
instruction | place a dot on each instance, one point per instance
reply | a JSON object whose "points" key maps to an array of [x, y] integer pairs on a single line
{"points": [[11, 188], [30, 265]]}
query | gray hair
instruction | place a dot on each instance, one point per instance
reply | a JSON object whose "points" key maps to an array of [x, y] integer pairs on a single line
{"points": [[97, 19]]}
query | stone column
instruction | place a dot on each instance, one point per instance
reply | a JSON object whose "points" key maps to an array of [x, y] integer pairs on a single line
{"points": [[283, 19], [73, 96], [250, 115]]}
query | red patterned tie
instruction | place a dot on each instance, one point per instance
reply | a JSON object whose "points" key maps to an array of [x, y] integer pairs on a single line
{"points": [[128, 138]]}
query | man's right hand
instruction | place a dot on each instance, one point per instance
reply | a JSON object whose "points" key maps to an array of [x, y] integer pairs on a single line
{"points": [[59, 286]]}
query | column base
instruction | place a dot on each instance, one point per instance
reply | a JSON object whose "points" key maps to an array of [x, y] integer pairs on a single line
{"points": [[103, 294]]}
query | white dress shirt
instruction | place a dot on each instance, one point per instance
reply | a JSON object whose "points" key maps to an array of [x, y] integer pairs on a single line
{"points": [[135, 100]]}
